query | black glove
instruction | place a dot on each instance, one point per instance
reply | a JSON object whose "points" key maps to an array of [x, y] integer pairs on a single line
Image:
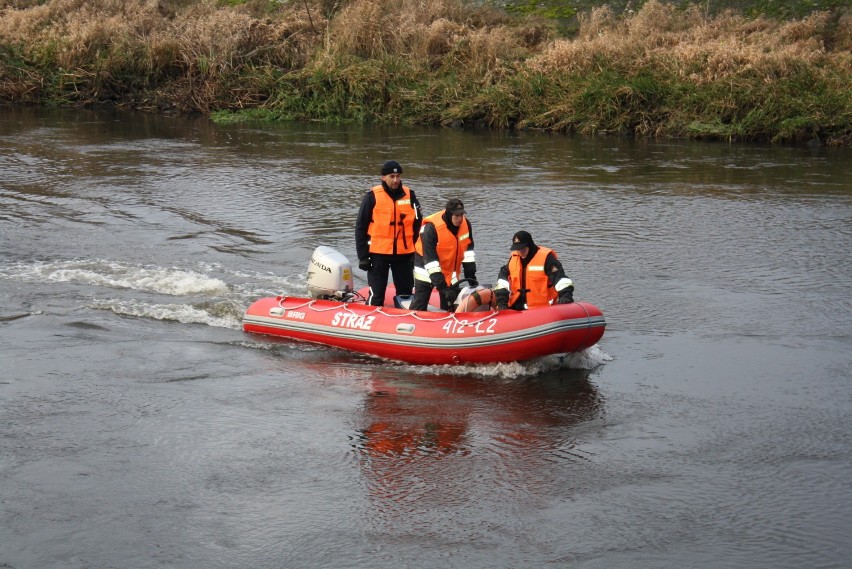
{"points": [[450, 295], [566, 296], [365, 264], [502, 296]]}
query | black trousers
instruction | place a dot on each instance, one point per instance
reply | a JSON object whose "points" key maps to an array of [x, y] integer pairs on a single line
{"points": [[401, 267], [422, 295]]}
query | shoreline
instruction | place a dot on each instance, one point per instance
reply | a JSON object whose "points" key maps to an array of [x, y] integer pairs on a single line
{"points": [[662, 72]]}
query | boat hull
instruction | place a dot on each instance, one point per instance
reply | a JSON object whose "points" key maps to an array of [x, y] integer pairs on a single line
{"points": [[429, 337]]}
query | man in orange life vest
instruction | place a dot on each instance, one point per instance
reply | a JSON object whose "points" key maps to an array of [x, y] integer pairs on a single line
{"points": [[387, 227], [532, 277], [445, 246]]}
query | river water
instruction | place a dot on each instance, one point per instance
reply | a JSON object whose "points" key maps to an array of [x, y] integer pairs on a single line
{"points": [[141, 427]]}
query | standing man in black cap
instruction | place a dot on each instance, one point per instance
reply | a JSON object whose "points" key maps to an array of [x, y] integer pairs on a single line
{"points": [[532, 277], [445, 246], [387, 228]]}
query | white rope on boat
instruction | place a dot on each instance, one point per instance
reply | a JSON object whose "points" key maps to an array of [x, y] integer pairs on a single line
{"points": [[378, 309]]}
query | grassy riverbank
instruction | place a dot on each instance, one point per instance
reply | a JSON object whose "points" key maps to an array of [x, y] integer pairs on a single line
{"points": [[661, 71]]}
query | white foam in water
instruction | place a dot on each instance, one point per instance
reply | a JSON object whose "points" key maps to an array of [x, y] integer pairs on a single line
{"points": [[590, 358], [587, 359], [182, 313], [112, 274]]}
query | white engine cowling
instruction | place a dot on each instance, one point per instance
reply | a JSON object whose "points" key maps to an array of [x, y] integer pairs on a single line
{"points": [[329, 274]]}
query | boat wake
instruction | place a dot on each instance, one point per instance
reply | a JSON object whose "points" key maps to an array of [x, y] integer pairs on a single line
{"points": [[589, 359], [212, 295], [204, 294], [220, 314], [113, 274]]}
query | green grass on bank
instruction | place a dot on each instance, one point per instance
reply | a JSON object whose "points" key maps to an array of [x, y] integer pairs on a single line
{"points": [[660, 71]]}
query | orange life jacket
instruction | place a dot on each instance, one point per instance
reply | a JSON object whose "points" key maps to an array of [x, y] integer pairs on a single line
{"points": [[450, 248], [536, 281], [392, 227]]}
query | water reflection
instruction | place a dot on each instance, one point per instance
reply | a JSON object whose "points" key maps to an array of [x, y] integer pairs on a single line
{"points": [[408, 419], [421, 441], [410, 416]]}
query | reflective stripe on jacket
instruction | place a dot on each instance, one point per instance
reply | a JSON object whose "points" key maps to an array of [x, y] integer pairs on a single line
{"points": [[534, 279], [391, 230]]}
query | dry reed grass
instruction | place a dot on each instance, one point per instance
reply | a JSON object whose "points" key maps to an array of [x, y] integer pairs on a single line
{"points": [[690, 46], [655, 72], [436, 33], [76, 30], [101, 46]]}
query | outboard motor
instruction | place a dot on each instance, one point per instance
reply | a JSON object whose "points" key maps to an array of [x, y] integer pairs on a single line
{"points": [[329, 275]]}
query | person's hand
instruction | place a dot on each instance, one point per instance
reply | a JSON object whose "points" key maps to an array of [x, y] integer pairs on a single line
{"points": [[565, 297], [450, 295], [365, 264], [502, 297]]}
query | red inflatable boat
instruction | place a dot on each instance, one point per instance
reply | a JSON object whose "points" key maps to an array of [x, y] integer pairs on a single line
{"points": [[340, 318], [430, 337]]}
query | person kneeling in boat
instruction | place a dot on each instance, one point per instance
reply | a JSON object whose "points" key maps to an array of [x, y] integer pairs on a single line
{"points": [[532, 277], [444, 247]]}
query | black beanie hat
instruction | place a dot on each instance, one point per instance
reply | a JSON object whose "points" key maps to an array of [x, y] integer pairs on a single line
{"points": [[391, 167]]}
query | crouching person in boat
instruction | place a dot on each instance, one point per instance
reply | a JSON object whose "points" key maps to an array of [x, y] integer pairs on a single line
{"points": [[444, 248], [532, 277]]}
